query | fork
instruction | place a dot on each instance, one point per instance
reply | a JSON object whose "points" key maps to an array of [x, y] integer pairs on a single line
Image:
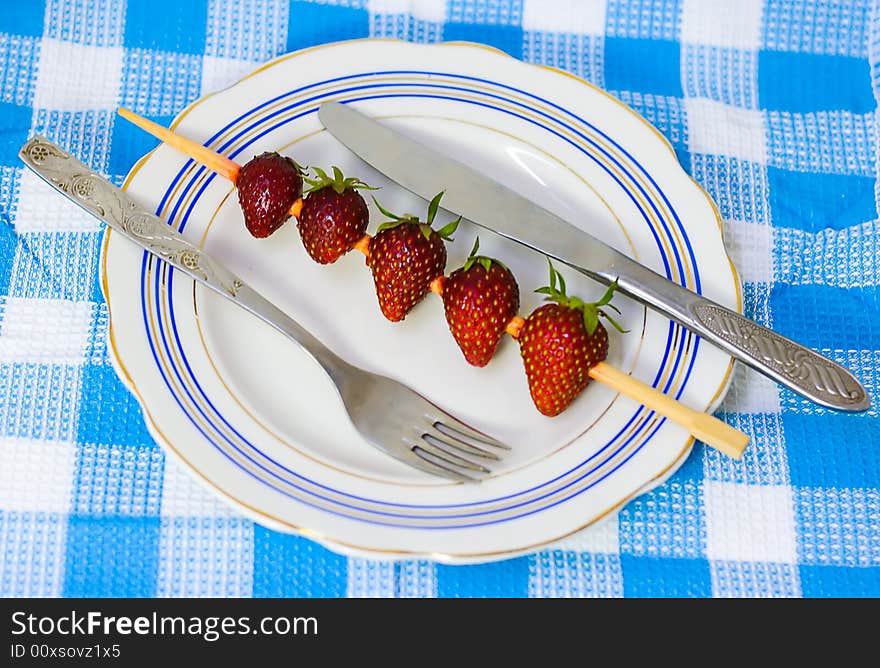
{"points": [[389, 415]]}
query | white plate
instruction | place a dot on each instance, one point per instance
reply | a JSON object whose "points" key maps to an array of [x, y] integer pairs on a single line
{"points": [[254, 417]]}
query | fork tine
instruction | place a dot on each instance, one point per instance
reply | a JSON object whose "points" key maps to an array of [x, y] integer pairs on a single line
{"points": [[432, 464], [450, 458], [418, 460], [460, 445], [456, 429]]}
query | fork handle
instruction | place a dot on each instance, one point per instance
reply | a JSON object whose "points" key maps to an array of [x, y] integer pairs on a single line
{"points": [[123, 214]]}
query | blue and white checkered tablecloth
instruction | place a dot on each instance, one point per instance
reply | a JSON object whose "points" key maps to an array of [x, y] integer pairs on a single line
{"points": [[770, 104]]}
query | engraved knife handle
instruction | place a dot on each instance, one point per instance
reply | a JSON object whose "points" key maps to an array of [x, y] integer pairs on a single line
{"points": [[792, 364], [787, 362], [123, 214]]}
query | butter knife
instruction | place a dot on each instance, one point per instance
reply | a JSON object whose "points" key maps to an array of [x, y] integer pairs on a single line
{"points": [[491, 205]]}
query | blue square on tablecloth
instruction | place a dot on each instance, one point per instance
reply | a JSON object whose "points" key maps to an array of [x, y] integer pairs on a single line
{"points": [[508, 38], [667, 521], [827, 449], [817, 26], [803, 82], [839, 582], [43, 269], [128, 143], [507, 579], [667, 114], [296, 567], [651, 577], [812, 202], [35, 540], [108, 412], [39, 400], [310, 24], [739, 187], [837, 526], [85, 134], [644, 19], [16, 130], [644, 65], [122, 480], [8, 244], [19, 57], [111, 557], [166, 25], [159, 83], [820, 316], [493, 12], [23, 17]]}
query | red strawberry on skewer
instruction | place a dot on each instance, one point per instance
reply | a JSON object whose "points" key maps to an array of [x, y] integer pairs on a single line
{"points": [[560, 342], [405, 256], [334, 215], [268, 185], [479, 299]]}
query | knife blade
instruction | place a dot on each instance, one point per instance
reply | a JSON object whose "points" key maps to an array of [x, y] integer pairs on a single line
{"points": [[493, 206]]}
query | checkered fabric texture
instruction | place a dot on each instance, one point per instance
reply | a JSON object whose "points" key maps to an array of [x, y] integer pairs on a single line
{"points": [[770, 104]]}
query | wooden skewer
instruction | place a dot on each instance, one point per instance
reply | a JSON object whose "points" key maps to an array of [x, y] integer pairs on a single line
{"points": [[703, 426], [707, 428], [201, 154]]}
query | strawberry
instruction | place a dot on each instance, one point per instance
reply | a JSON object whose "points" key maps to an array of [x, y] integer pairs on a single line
{"points": [[268, 185], [479, 299], [560, 342], [405, 256], [334, 216]]}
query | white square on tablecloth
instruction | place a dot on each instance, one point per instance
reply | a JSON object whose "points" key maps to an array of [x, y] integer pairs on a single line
{"points": [[205, 556], [584, 17], [219, 73], [750, 522], [38, 209], [721, 129], [182, 496], [751, 392], [750, 246], [36, 476], [368, 578], [722, 23], [599, 537], [73, 77], [427, 10], [44, 331], [34, 550]]}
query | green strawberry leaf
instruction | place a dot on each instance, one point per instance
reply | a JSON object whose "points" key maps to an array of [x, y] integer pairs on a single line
{"points": [[472, 256], [356, 184], [614, 322], [385, 211], [426, 231], [609, 293], [556, 293], [447, 230], [338, 181], [474, 250], [433, 206], [591, 320], [486, 263]]}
